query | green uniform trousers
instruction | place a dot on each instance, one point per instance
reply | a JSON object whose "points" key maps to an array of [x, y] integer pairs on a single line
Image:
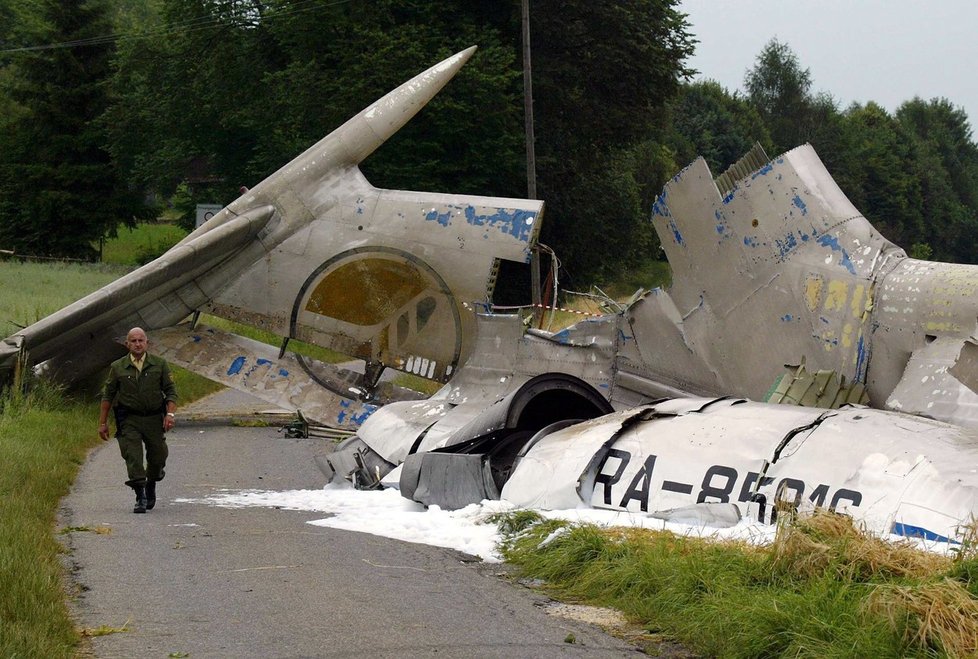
{"points": [[134, 432]]}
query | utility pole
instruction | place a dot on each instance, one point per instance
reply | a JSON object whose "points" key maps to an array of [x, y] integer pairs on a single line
{"points": [[531, 166]]}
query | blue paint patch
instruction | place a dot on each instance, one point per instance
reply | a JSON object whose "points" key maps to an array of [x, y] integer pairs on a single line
{"points": [[750, 241], [263, 362], [441, 218], [675, 233], [236, 366], [366, 410], [911, 531], [860, 358], [786, 246], [833, 243], [729, 197], [624, 337], [787, 318], [659, 207], [196, 338], [517, 223], [284, 373], [828, 342], [603, 385], [763, 171], [721, 224], [563, 336], [800, 204]]}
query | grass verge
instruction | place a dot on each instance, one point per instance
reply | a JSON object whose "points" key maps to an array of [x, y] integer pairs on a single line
{"points": [[44, 438], [823, 589]]}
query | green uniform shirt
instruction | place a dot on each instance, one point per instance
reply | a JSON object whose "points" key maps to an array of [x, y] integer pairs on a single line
{"points": [[140, 393]]}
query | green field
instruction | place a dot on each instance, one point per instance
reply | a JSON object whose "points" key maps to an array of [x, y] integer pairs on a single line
{"points": [[31, 291], [136, 246]]}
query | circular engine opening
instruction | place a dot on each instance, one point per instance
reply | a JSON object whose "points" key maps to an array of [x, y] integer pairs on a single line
{"points": [[542, 401]]}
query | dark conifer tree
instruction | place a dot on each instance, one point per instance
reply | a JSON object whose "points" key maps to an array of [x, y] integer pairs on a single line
{"points": [[59, 192]]}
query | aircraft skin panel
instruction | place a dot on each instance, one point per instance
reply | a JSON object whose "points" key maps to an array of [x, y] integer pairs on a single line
{"points": [[256, 368], [394, 429], [784, 249], [929, 387], [901, 472], [920, 302], [385, 284]]}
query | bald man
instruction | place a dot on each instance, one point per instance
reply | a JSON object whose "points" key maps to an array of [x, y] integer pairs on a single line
{"points": [[141, 389]]}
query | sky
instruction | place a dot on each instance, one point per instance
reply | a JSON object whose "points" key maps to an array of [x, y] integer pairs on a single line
{"points": [[386, 513], [886, 51]]}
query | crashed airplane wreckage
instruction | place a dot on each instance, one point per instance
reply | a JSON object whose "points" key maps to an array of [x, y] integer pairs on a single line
{"points": [[645, 410]]}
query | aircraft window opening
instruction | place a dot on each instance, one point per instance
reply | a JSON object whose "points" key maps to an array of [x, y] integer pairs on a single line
{"points": [[929, 338]]}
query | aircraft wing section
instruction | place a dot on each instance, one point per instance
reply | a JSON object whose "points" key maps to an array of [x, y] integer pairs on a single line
{"points": [[158, 294], [289, 381]]}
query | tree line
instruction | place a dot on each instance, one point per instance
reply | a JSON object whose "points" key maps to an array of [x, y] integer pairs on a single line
{"points": [[111, 110]]}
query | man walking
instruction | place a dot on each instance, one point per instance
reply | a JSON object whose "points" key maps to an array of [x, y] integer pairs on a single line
{"points": [[142, 389]]}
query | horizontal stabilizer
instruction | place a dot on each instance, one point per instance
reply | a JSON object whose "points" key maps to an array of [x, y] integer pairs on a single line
{"points": [[158, 294]]}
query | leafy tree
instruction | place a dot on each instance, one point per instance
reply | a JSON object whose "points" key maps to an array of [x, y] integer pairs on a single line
{"points": [[780, 90], [19, 25], [58, 188], [945, 161], [602, 74], [708, 121], [872, 162]]}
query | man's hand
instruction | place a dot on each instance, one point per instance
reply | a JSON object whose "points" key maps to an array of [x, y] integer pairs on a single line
{"points": [[168, 421], [103, 431]]}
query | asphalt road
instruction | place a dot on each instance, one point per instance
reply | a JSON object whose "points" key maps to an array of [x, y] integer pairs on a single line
{"points": [[201, 581]]}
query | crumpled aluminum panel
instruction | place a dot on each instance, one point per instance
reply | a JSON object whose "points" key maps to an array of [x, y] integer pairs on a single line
{"points": [[256, 368], [895, 473], [780, 268]]}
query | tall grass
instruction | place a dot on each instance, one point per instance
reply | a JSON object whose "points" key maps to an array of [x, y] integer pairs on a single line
{"points": [[141, 244], [44, 438], [823, 589], [31, 291]]}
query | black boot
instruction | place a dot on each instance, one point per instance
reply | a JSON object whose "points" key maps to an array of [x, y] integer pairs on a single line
{"points": [[140, 506], [150, 494]]}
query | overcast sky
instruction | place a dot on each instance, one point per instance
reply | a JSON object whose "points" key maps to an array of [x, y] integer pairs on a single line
{"points": [[886, 51]]}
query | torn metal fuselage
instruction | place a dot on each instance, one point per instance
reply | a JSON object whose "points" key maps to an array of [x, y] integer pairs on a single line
{"points": [[870, 464], [778, 270], [772, 266]]}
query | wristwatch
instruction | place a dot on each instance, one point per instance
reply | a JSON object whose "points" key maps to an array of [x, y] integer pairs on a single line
{"points": [[171, 414]]}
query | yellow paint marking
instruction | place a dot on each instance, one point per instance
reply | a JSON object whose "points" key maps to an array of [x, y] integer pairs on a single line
{"points": [[836, 298], [857, 300], [847, 336], [813, 292]]}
